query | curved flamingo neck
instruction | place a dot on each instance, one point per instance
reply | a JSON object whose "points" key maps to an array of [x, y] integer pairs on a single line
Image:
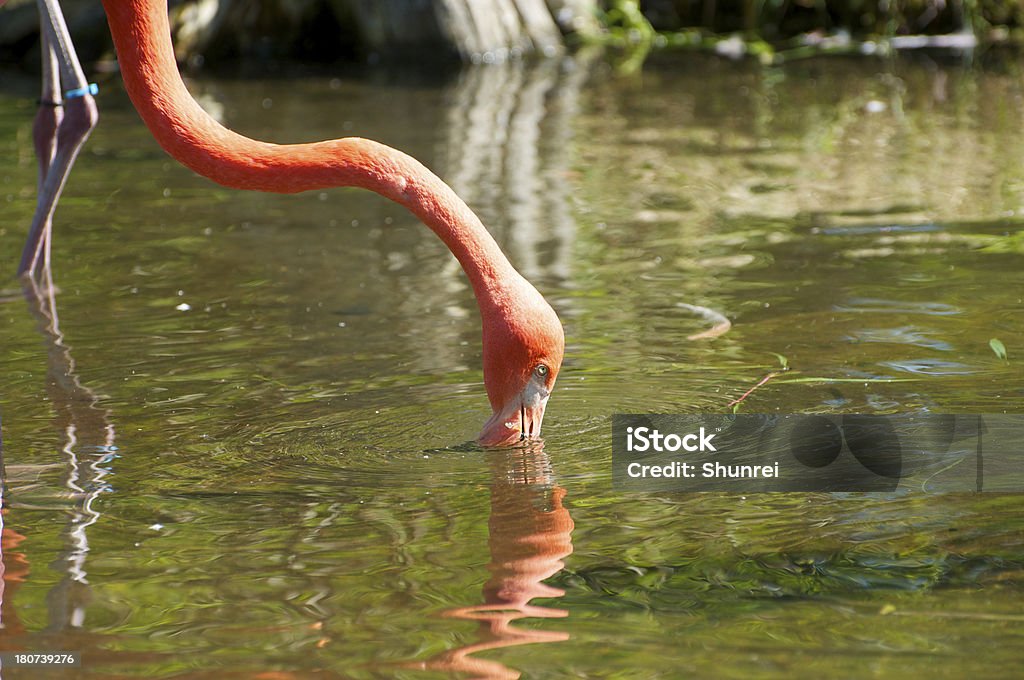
{"points": [[142, 38]]}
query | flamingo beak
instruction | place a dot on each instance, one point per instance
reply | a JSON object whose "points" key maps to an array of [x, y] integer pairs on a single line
{"points": [[519, 420]]}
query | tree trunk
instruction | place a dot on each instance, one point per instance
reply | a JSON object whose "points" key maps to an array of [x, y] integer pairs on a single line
{"points": [[392, 26], [477, 30]]}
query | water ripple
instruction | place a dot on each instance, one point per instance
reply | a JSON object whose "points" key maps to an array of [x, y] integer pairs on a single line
{"points": [[883, 306], [903, 335], [930, 367]]}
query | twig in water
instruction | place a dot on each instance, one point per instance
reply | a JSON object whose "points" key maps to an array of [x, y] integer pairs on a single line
{"points": [[736, 402], [721, 323]]}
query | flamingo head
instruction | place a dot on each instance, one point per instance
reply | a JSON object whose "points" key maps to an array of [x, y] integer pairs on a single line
{"points": [[523, 344]]}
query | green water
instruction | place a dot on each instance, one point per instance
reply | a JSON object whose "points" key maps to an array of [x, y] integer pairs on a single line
{"points": [[277, 477]]}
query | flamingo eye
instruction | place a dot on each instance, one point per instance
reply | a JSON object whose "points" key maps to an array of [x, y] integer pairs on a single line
{"points": [[541, 370]]}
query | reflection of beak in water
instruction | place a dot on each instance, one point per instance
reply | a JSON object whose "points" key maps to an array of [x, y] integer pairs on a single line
{"points": [[530, 535]]}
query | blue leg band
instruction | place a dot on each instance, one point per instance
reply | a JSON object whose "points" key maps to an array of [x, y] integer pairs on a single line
{"points": [[91, 88]]}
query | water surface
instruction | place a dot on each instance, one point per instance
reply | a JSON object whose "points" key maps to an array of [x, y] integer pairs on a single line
{"points": [[246, 449]]}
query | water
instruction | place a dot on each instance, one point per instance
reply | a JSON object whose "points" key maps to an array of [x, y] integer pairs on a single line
{"points": [[278, 477]]}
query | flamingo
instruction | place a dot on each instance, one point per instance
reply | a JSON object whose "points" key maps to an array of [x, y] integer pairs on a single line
{"points": [[523, 341], [62, 125]]}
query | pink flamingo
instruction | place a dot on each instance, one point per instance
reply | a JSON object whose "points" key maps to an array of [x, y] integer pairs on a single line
{"points": [[523, 340]]}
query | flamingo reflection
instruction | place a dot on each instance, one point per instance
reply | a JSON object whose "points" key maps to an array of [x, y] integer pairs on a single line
{"points": [[530, 534], [88, 448]]}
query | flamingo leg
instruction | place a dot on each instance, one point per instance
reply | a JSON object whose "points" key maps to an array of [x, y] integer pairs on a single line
{"points": [[62, 125]]}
